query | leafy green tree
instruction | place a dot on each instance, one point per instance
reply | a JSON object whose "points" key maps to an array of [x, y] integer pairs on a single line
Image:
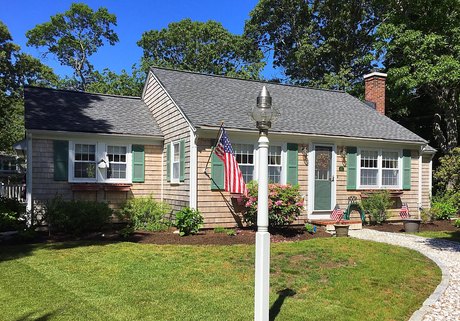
{"points": [[419, 43], [125, 84], [202, 47], [75, 35], [16, 70], [321, 43]]}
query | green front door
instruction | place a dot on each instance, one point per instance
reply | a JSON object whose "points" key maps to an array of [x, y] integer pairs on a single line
{"points": [[323, 178]]}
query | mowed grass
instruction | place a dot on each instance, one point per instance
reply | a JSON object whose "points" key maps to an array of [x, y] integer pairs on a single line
{"points": [[447, 235], [322, 279]]}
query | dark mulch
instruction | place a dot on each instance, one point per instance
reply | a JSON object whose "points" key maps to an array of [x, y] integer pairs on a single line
{"points": [[209, 237], [204, 237], [447, 226]]}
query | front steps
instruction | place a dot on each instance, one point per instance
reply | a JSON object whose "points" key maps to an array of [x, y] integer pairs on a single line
{"points": [[329, 224]]}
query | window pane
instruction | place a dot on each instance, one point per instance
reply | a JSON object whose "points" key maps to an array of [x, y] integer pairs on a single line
{"points": [[176, 152], [84, 170], [274, 174], [248, 172], [390, 159], [117, 171], [176, 171], [244, 153], [369, 177], [390, 177], [369, 159]]}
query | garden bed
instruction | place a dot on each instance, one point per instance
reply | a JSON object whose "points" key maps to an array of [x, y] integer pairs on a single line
{"points": [[204, 237], [438, 226]]}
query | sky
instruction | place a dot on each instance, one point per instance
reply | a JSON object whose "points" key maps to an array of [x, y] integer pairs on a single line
{"points": [[133, 18]]}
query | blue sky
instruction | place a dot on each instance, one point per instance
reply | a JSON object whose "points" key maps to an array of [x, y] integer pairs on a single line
{"points": [[134, 17]]}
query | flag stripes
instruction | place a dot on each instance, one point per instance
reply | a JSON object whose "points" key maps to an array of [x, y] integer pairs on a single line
{"points": [[404, 213], [337, 213], [233, 178]]}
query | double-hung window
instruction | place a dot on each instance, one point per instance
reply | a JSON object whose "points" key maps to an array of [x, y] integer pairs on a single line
{"points": [[85, 161], [117, 162], [244, 154], [100, 162], [379, 168], [274, 164], [175, 164]]}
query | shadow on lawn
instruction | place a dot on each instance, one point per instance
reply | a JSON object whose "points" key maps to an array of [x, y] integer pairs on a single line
{"points": [[32, 317], [13, 252], [451, 244], [276, 307]]}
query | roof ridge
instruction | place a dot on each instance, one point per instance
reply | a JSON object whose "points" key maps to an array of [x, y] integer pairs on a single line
{"points": [[251, 80], [84, 92]]}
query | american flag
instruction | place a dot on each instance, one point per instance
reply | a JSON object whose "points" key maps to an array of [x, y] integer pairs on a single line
{"points": [[404, 213], [337, 214], [234, 182]]}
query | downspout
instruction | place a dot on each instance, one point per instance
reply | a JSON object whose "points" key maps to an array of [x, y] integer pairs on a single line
{"points": [[29, 201], [420, 158], [162, 173], [193, 170]]}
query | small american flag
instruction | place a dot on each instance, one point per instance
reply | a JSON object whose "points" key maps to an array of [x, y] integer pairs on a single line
{"points": [[234, 182], [337, 213], [404, 213]]}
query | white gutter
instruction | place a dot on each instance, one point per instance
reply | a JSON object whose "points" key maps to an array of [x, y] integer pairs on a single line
{"points": [[254, 132], [162, 174], [29, 201], [53, 133], [193, 180]]}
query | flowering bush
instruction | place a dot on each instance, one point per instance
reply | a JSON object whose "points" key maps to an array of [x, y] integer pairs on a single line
{"points": [[284, 204]]}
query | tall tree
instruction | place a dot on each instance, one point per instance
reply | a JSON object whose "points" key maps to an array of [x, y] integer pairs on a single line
{"points": [[124, 83], [75, 35], [203, 47], [325, 43], [419, 42], [16, 70]]}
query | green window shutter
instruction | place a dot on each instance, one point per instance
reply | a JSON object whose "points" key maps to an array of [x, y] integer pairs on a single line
{"points": [[352, 167], [168, 162], [406, 169], [61, 160], [182, 160], [217, 173], [292, 164], [138, 163]]}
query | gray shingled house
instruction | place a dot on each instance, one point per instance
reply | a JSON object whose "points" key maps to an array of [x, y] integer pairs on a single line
{"points": [[110, 148]]}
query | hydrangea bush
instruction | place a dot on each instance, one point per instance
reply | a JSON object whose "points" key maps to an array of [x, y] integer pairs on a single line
{"points": [[284, 204]]}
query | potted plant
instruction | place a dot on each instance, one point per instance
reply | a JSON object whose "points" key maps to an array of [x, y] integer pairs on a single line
{"points": [[411, 225], [341, 228]]}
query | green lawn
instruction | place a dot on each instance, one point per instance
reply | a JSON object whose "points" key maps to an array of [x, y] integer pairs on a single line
{"points": [[321, 279], [451, 236]]}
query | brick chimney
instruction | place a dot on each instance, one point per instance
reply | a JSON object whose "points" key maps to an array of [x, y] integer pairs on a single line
{"points": [[374, 90]]}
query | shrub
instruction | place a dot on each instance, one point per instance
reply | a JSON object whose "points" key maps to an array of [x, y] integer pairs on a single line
{"points": [[231, 232], [457, 222], [310, 228], [188, 221], [145, 213], [220, 229], [284, 204], [11, 215], [377, 205], [443, 207], [426, 216], [76, 217]]}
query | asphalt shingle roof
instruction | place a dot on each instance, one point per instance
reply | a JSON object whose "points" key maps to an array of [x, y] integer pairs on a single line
{"points": [[49, 109], [206, 100]]}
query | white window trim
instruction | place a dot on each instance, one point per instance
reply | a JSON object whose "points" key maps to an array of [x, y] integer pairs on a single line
{"points": [[173, 180], [101, 153], [257, 158], [379, 169]]}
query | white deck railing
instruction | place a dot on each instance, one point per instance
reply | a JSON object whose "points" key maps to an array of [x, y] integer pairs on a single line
{"points": [[14, 191]]}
